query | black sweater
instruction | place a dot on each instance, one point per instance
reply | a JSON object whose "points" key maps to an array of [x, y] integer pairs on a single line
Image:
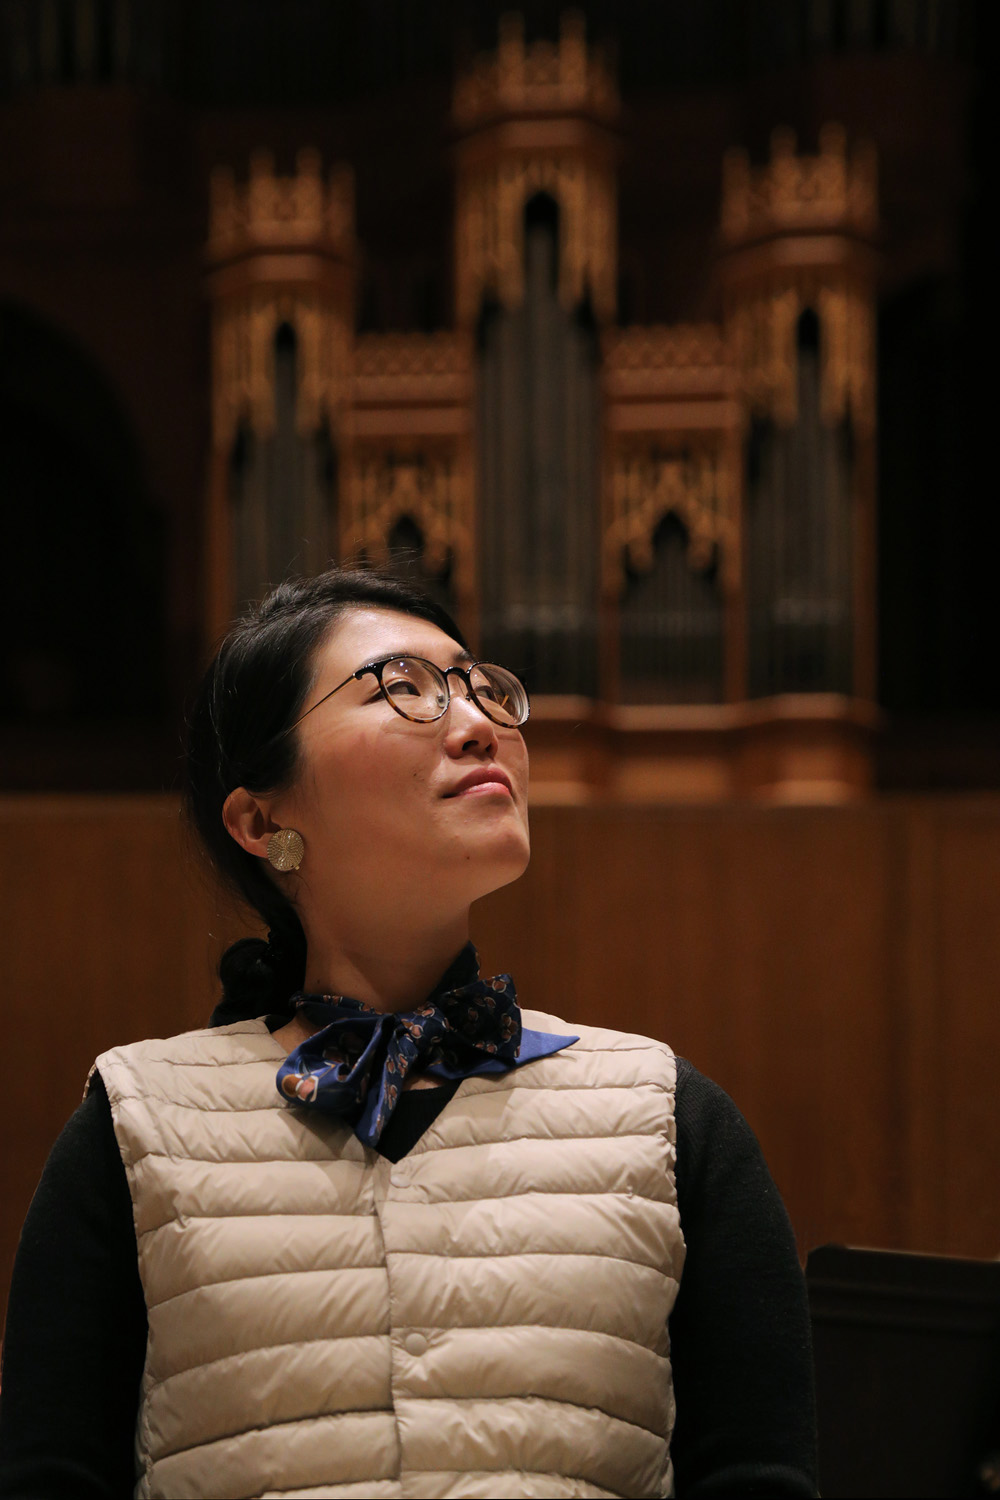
{"points": [[76, 1326]]}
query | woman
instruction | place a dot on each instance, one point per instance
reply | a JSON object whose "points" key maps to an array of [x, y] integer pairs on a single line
{"points": [[377, 1231]]}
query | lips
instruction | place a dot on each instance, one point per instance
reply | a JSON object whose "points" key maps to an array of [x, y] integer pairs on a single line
{"points": [[486, 776]]}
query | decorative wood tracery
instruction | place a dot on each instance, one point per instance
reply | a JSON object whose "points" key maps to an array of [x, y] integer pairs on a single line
{"points": [[419, 385], [406, 367], [762, 328], [795, 191], [559, 101], [270, 211], [646, 483], [244, 335], [658, 471], [676, 347], [275, 245], [823, 210], [541, 78], [491, 232], [426, 484], [676, 399]]}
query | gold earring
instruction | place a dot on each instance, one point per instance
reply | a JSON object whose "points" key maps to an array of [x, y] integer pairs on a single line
{"points": [[285, 849]]}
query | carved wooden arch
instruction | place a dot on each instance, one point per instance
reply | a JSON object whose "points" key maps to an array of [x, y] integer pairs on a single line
{"points": [[424, 484], [696, 485], [244, 337], [763, 332], [491, 231]]}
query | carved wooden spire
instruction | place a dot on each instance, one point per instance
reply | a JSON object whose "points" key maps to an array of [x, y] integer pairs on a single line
{"points": [[536, 119]]}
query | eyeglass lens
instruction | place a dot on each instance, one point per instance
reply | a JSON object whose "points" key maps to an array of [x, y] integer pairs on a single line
{"points": [[418, 690]]}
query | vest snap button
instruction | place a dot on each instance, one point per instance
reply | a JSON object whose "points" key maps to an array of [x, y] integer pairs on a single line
{"points": [[415, 1344]]}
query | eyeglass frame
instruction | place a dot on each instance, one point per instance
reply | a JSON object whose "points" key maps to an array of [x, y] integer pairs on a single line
{"points": [[378, 667]]}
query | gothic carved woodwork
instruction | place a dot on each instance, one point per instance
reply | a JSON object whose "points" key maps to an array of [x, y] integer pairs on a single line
{"points": [[276, 245], [650, 374], [798, 235], [678, 403], [426, 484], [763, 326], [400, 369], [798, 231], [280, 213], [491, 233], [535, 120], [796, 192], [244, 335], [544, 77], [660, 375], [646, 483], [280, 254], [408, 450], [646, 356]]}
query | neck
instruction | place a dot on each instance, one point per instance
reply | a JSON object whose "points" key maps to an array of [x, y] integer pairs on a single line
{"points": [[391, 967]]}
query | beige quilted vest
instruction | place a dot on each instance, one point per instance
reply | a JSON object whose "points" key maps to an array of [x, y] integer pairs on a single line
{"points": [[488, 1317]]}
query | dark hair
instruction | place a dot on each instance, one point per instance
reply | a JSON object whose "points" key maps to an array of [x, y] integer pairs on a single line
{"points": [[253, 691]]}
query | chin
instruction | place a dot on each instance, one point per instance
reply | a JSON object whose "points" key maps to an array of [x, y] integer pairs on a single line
{"points": [[504, 862]]}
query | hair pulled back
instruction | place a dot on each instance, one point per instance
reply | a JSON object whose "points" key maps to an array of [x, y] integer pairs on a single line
{"points": [[251, 694]]}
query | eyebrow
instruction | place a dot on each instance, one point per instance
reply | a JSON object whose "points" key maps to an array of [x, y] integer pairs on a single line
{"points": [[462, 657]]}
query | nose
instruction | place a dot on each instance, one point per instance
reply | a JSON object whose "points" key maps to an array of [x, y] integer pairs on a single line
{"points": [[467, 727]]}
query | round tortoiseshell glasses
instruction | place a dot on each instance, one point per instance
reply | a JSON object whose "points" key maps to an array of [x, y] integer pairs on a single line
{"points": [[420, 691]]}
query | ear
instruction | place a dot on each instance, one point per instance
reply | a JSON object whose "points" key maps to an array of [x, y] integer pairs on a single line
{"points": [[248, 820]]}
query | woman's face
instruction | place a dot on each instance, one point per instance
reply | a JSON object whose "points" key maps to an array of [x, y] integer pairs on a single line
{"points": [[380, 801]]}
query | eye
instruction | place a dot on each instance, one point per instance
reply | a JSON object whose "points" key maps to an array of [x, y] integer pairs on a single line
{"points": [[490, 688], [400, 688]]}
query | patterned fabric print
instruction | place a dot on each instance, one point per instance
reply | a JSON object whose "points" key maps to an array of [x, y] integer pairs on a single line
{"points": [[356, 1064]]}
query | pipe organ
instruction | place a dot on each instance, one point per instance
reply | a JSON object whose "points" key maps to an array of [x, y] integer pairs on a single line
{"points": [[668, 530]]}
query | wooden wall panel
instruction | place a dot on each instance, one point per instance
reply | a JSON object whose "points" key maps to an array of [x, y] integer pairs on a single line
{"points": [[111, 936], [757, 943], [914, 1003], [968, 1066], [834, 969]]}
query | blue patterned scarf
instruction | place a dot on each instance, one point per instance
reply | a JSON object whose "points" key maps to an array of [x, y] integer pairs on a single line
{"points": [[356, 1064]]}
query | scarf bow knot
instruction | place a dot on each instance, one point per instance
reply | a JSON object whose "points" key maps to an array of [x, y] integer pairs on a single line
{"points": [[356, 1064]]}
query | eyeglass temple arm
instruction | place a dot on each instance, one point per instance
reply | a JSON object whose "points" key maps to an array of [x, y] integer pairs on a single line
{"points": [[319, 701]]}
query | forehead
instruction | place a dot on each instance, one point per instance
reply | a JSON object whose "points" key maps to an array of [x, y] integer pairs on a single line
{"points": [[366, 633]]}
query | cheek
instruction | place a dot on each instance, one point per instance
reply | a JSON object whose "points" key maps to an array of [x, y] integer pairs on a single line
{"points": [[513, 758], [362, 782]]}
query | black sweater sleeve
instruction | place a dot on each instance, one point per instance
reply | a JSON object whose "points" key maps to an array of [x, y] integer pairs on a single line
{"points": [[739, 1332], [75, 1341], [76, 1325]]}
